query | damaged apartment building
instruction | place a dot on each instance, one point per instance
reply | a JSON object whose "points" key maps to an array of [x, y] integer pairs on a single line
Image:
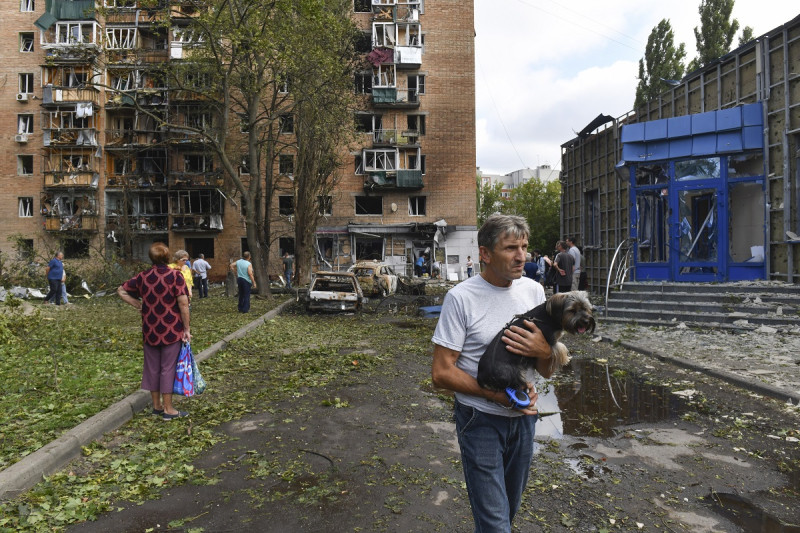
{"points": [[90, 165], [701, 184]]}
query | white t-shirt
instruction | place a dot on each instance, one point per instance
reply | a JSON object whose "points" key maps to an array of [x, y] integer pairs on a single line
{"points": [[473, 312], [576, 256]]}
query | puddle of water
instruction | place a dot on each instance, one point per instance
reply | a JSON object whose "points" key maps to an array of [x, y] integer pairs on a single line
{"points": [[589, 400], [746, 515]]}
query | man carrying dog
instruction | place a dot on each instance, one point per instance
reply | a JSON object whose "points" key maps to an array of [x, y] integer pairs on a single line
{"points": [[496, 440]]}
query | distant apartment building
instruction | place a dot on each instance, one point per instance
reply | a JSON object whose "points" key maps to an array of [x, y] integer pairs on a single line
{"points": [[516, 178], [86, 169]]}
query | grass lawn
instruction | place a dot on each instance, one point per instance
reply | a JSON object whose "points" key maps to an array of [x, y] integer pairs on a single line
{"points": [[291, 356], [62, 365]]}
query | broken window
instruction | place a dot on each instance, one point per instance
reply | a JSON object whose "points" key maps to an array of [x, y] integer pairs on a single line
{"points": [[325, 205], [746, 165], [697, 169], [75, 248], [376, 160], [283, 83], [369, 205], [286, 123], [25, 206], [363, 43], [384, 34], [362, 6], [416, 123], [422, 163], [195, 163], [416, 205], [591, 218], [26, 83], [416, 86], [24, 124], [244, 165], [120, 4], [196, 246], [121, 38], [286, 164], [367, 123], [286, 205], [27, 5], [363, 83], [199, 120], [746, 216], [651, 174], [76, 32], [24, 165], [26, 41], [358, 163], [384, 76], [652, 214]]}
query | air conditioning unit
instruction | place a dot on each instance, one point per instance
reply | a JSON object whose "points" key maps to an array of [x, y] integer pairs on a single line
{"points": [[22, 97], [21, 138]]}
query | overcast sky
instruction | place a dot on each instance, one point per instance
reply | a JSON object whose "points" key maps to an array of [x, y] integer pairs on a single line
{"points": [[545, 68]]}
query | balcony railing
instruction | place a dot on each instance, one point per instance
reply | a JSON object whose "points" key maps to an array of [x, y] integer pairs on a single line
{"points": [[197, 222], [86, 179], [395, 137], [138, 223], [80, 223], [129, 138], [60, 95], [153, 54], [135, 180], [70, 137], [393, 97], [189, 180], [400, 179]]}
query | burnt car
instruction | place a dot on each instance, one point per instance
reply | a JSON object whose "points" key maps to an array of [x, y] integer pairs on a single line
{"points": [[334, 291], [375, 277]]}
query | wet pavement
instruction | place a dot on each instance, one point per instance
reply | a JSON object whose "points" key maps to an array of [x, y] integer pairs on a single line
{"points": [[628, 443]]}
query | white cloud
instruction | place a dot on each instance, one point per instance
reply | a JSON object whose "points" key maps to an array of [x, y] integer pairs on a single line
{"points": [[546, 69]]}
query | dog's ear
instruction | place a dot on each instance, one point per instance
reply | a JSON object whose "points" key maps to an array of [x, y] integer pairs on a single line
{"points": [[556, 303]]}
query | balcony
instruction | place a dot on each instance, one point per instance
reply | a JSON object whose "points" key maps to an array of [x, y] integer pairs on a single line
{"points": [[193, 180], [70, 137], [56, 95], [143, 54], [137, 224], [71, 223], [401, 179], [131, 139], [395, 137], [392, 97], [135, 181], [69, 180], [197, 222]]}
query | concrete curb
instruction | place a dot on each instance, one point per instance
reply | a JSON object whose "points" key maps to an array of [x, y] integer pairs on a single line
{"points": [[51, 457], [735, 379]]}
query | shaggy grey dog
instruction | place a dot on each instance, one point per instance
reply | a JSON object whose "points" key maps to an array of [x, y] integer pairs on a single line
{"points": [[500, 369]]}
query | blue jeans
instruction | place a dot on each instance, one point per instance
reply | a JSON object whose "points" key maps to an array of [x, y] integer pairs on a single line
{"points": [[55, 291], [288, 274], [244, 295], [203, 287], [496, 454]]}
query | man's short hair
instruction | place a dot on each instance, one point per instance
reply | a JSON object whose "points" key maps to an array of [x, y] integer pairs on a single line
{"points": [[246, 255], [571, 240], [201, 256], [159, 253], [498, 225]]}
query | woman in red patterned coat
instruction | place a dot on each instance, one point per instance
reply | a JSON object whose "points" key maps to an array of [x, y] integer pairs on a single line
{"points": [[160, 294]]}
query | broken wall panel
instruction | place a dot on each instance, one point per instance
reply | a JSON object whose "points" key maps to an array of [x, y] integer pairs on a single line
{"points": [[766, 69]]}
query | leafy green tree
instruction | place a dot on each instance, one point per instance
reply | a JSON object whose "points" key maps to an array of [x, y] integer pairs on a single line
{"points": [[489, 200], [236, 67], [662, 61], [323, 88], [746, 36], [715, 33], [539, 202]]}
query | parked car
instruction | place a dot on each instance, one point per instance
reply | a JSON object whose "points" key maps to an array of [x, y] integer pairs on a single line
{"points": [[375, 277], [334, 291]]}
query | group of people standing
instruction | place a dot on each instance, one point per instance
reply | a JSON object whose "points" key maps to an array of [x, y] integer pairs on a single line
{"points": [[563, 272]]}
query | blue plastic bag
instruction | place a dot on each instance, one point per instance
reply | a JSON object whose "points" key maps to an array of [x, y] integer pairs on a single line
{"points": [[184, 373]]}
